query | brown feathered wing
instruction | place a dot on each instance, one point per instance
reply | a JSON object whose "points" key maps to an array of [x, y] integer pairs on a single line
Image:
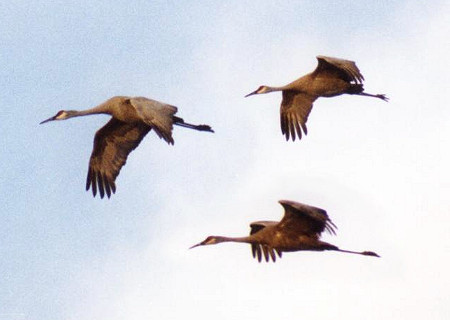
{"points": [[341, 68], [156, 114], [305, 219], [112, 144], [294, 112], [259, 249]]}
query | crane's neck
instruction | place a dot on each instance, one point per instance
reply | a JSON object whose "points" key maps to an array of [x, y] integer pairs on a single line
{"points": [[100, 109], [219, 239], [267, 89]]}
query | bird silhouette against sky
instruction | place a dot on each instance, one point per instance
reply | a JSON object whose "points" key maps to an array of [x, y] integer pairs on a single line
{"points": [[298, 230], [132, 118], [332, 77]]}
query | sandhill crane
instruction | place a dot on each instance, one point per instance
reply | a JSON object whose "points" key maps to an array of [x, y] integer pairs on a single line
{"points": [[132, 118], [299, 229], [332, 77]]}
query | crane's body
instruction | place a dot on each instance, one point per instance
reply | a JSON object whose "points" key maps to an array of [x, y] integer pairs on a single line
{"points": [[298, 230], [132, 118], [287, 238], [320, 85], [332, 77]]}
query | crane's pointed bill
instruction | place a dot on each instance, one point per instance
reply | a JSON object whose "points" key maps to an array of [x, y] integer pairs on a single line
{"points": [[49, 119], [251, 93], [196, 245], [209, 240]]}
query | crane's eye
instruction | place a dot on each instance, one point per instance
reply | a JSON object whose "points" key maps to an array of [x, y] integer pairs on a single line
{"points": [[208, 240], [260, 89]]}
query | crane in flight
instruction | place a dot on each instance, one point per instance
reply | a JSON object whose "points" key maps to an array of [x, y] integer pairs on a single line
{"points": [[132, 118], [332, 77], [298, 230]]}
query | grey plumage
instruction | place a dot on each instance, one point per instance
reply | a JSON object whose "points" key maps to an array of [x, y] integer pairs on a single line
{"points": [[132, 118]]}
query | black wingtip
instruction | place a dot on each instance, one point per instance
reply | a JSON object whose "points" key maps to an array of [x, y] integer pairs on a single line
{"points": [[100, 185]]}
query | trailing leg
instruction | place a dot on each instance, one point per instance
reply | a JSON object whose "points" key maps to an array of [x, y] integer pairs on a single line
{"points": [[201, 127], [359, 90], [364, 253], [379, 96]]}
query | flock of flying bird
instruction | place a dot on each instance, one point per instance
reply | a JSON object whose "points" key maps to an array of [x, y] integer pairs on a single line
{"points": [[133, 117]]}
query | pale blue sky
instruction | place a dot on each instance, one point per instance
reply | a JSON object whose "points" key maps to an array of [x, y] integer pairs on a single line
{"points": [[380, 170]]}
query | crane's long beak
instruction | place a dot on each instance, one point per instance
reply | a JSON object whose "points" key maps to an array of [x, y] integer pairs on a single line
{"points": [[252, 93], [196, 245], [49, 119]]}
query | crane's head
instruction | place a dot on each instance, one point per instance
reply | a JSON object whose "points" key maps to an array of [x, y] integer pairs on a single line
{"points": [[261, 89], [209, 240], [61, 115]]}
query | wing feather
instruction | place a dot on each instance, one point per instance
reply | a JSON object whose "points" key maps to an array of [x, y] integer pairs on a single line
{"points": [[112, 145], [266, 253], [272, 254], [259, 249], [294, 111], [158, 115], [306, 219], [341, 68]]}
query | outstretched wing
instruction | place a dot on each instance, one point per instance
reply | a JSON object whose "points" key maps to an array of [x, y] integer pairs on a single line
{"points": [[294, 112], [112, 144], [158, 115], [343, 69], [259, 249], [305, 219]]}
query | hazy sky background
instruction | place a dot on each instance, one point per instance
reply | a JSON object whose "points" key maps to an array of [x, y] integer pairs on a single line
{"points": [[379, 169]]}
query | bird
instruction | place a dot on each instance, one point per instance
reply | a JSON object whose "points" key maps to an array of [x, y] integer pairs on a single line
{"points": [[298, 230], [132, 118], [332, 77]]}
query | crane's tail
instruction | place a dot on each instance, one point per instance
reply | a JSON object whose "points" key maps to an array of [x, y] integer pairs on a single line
{"points": [[200, 127]]}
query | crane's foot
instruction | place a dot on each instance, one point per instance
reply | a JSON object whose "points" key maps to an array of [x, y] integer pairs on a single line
{"points": [[203, 127], [370, 253]]}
